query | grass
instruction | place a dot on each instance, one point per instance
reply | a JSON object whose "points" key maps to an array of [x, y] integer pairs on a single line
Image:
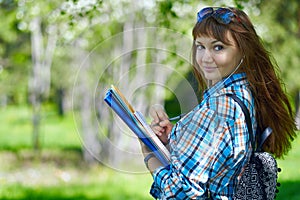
{"points": [[289, 177], [58, 172], [16, 129], [53, 182]]}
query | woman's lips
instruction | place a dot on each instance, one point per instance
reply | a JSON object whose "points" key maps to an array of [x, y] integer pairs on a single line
{"points": [[210, 69]]}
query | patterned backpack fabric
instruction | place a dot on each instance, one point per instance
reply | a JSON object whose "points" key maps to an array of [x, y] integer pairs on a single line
{"points": [[259, 179]]}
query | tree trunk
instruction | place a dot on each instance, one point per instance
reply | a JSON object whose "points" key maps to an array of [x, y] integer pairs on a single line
{"points": [[118, 151], [141, 80], [35, 84], [60, 99], [298, 110], [84, 99], [161, 73], [91, 148], [39, 84]]}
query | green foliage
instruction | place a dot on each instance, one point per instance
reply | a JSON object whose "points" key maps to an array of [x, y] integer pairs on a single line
{"points": [[278, 25], [14, 55], [88, 20], [165, 10]]}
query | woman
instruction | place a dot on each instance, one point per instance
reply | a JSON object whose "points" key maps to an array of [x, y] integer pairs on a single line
{"points": [[210, 145]]}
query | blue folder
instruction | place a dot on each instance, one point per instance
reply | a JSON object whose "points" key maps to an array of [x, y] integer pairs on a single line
{"points": [[120, 108]]}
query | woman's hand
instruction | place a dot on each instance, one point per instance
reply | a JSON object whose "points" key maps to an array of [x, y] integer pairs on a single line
{"points": [[160, 124]]}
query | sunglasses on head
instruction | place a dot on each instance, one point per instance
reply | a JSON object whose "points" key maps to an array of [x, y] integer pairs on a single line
{"points": [[222, 15]]}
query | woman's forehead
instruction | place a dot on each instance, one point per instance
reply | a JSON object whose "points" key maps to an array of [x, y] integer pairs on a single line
{"points": [[227, 39]]}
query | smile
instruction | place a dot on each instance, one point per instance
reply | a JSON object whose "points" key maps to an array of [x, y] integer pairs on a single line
{"points": [[209, 69]]}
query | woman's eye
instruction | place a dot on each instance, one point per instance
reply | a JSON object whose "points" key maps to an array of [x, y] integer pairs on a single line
{"points": [[218, 47], [199, 47]]}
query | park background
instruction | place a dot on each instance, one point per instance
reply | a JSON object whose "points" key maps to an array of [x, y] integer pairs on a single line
{"points": [[58, 139]]}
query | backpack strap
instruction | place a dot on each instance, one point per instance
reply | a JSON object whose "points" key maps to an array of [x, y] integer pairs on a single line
{"points": [[266, 133], [263, 138], [247, 117]]}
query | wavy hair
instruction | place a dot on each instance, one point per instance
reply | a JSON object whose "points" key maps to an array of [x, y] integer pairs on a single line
{"points": [[272, 106]]}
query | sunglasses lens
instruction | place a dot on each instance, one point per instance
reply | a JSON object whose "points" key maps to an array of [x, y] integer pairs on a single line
{"points": [[223, 15], [205, 12]]}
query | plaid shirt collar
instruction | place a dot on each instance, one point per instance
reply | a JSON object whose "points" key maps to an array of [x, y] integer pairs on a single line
{"points": [[236, 79]]}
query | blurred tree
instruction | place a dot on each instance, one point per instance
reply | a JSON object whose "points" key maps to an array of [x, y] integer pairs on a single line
{"points": [[279, 25], [47, 22], [73, 49], [35, 17], [280, 29]]}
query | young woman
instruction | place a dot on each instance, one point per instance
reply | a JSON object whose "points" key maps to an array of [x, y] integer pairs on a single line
{"points": [[210, 145]]}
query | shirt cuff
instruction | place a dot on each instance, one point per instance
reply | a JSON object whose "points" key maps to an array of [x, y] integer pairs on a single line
{"points": [[158, 177]]}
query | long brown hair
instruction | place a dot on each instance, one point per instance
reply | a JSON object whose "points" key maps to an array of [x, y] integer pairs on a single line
{"points": [[272, 106]]}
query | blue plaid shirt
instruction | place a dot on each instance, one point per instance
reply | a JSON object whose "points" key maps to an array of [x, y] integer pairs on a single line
{"points": [[209, 146]]}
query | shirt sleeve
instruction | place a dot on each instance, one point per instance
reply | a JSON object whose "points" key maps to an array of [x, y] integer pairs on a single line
{"points": [[207, 152]]}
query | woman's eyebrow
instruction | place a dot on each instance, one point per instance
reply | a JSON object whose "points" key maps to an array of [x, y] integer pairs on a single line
{"points": [[212, 42], [216, 41]]}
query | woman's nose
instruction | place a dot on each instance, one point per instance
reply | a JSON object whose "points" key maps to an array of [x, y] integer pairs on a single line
{"points": [[207, 56]]}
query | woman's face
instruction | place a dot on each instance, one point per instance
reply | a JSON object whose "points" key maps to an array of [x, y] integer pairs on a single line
{"points": [[216, 59]]}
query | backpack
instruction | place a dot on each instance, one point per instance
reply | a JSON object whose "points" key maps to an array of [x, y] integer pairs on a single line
{"points": [[259, 179]]}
